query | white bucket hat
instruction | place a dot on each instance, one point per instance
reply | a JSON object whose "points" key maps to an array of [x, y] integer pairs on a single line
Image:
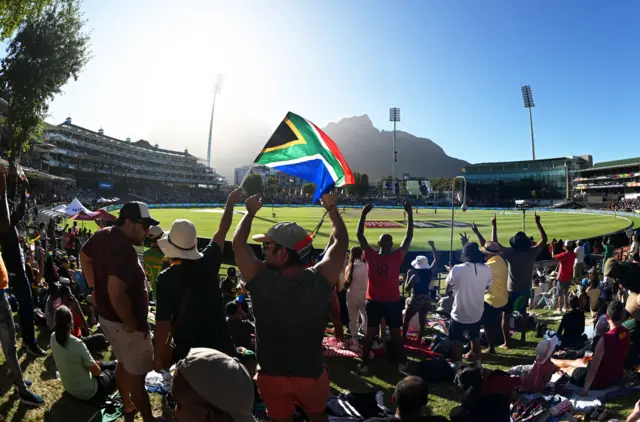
{"points": [[181, 241], [421, 263], [545, 349]]}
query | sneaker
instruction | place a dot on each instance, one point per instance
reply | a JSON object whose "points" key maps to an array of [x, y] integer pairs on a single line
{"points": [[363, 369], [403, 367], [30, 399], [36, 351]]}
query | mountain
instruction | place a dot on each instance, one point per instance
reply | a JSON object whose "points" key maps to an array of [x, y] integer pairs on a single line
{"points": [[369, 150], [366, 149]]}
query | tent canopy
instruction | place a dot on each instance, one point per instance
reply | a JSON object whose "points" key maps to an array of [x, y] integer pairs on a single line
{"points": [[75, 207], [98, 215]]}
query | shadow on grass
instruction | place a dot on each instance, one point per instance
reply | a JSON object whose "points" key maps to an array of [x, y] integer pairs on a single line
{"points": [[20, 412], [69, 409]]}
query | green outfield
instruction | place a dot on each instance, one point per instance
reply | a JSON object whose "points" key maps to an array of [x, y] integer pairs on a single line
{"points": [[429, 225]]}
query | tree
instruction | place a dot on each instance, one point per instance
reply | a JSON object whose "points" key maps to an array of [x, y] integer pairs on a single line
{"points": [[252, 184], [271, 186], [363, 185], [15, 12], [47, 50], [308, 189]]}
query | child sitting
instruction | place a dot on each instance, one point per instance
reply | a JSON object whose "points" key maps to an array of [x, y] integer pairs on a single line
{"points": [[571, 330], [241, 329], [543, 368], [445, 304]]}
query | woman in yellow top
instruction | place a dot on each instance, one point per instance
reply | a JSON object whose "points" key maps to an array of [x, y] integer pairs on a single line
{"points": [[496, 298]]}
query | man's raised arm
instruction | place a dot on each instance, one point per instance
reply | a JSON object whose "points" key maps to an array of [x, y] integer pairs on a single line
{"points": [[475, 230], [363, 217], [543, 235], [4, 205], [246, 260], [225, 223], [406, 242], [20, 209], [333, 262]]}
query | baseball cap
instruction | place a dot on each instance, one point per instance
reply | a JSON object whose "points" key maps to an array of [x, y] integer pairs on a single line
{"points": [[155, 233], [290, 235], [137, 211], [234, 395]]}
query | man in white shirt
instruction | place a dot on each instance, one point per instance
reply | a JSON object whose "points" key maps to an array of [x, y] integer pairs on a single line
{"points": [[469, 281], [578, 265]]}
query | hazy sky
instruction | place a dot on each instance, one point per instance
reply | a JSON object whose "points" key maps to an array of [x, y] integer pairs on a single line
{"points": [[453, 67]]}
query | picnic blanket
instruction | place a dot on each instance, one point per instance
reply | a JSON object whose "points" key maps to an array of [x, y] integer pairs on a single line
{"points": [[332, 348]]}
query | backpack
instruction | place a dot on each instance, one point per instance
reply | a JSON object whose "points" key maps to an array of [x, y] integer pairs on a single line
{"points": [[441, 344], [435, 370], [541, 328]]}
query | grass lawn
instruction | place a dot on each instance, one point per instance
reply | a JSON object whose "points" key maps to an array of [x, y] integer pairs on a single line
{"points": [[558, 225], [383, 376]]}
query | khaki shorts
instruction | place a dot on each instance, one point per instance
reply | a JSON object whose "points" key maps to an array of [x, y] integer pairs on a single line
{"points": [[133, 350]]}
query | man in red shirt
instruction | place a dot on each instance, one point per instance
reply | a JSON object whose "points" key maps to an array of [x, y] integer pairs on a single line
{"points": [[611, 351], [383, 296], [566, 260]]}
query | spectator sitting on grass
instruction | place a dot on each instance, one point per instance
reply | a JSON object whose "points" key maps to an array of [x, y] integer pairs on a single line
{"points": [[82, 377], [571, 330], [411, 398], [543, 368], [609, 356], [241, 329], [81, 330]]}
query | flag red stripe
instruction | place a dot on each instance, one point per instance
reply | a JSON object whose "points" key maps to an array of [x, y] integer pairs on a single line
{"points": [[348, 175]]}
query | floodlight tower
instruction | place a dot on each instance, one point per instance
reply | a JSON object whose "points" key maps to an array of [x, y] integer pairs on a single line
{"points": [[527, 97], [216, 91], [394, 116]]}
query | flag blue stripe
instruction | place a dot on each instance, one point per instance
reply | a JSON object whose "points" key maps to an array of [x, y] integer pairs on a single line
{"points": [[313, 171]]}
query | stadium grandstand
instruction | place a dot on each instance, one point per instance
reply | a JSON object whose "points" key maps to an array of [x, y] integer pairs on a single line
{"points": [[545, 181], [106, 167], [609, 184]]}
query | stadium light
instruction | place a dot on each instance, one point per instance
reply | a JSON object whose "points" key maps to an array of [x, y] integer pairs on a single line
{"points": [[464, 208], [527, 97], [394, 116], [216, 91]]}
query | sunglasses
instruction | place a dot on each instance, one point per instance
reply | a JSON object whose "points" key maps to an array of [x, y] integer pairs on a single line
{"points": [[145, 224], [265, 246]]}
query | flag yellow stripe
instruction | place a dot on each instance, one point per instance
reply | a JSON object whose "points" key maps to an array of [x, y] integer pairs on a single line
{"points": [[299, 141]]}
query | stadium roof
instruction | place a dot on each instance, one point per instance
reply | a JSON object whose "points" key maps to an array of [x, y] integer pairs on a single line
{"points": [[617, 163], [495, 163], [140, 144]]}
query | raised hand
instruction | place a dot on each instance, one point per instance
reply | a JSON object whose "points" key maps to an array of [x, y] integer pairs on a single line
{"points": [[433, 245], [367, 209], [254, 203], [235, 197], [328, 201], [407, 207], [494, 220], [474, 227], [537, 218], [464, 239]]}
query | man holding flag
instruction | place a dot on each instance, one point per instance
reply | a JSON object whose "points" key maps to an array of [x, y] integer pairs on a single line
{"points": [[290, 304]]}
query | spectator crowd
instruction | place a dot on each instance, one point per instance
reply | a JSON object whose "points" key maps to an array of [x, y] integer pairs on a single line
{"points": [[258, 335]]}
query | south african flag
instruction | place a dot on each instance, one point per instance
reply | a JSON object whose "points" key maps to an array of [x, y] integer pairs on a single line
{"points": [[302, 149]]}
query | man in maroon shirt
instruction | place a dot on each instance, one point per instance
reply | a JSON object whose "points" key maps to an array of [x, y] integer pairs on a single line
{"points": [[611, 351], [383, 297], [111, 266]]}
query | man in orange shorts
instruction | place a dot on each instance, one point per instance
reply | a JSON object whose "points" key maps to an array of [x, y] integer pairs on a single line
{"points": [[290, 305]]}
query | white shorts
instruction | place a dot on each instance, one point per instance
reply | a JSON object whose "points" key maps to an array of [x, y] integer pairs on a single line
{"points": [[134, 350]]}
